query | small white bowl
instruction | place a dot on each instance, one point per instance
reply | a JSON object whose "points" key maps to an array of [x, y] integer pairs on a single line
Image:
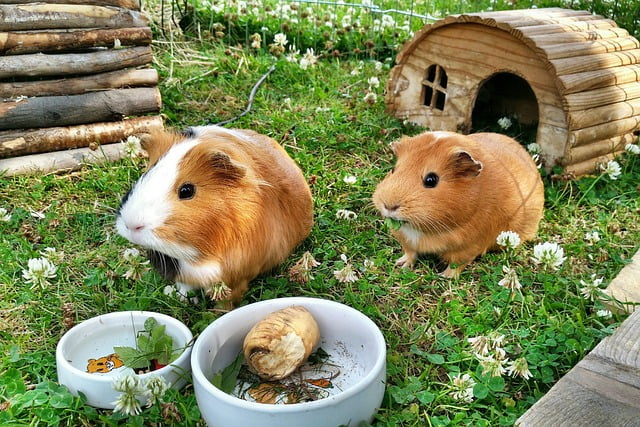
{"points": [[95, 339], [344, 331]]}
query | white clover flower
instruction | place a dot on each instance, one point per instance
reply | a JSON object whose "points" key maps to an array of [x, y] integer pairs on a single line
{"points": [[533, 148], [492, 366], [218, 291], [508, 239], [309, 59], [378, 66], [39, 271], [346, 214], [5, 216], [480, 344], [370, 98], [292, 56], [136, 266], [373, 82], [368, 264], [496, 339], [612, 169], [131, 254], [133, 146], [462, 387], [549, 255], [504, 123], [520, 368], [591, 290], [156, 387], [632, 148], [604, 314], [346, 274], [301, 271], [280, 39], [510, 279], [52, 254], [308, 261], [130, 386], [350, 179], [592, 237]]}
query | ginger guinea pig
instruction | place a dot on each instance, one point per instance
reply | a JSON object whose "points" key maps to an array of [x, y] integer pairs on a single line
{"points": [[453, 194], [216, 206]]}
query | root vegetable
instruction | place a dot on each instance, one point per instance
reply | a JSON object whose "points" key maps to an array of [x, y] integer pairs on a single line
{"points": [[281, 342]]}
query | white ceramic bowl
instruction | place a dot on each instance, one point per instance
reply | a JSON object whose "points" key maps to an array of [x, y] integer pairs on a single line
{"points": [[95, 339], [343, 330]]}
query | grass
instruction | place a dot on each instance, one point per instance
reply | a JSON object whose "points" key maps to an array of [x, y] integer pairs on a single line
{"points": [[320, 117]]}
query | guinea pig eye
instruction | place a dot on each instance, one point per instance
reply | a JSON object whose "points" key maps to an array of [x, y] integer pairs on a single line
{"points": [[431, 180], [186, 191]]}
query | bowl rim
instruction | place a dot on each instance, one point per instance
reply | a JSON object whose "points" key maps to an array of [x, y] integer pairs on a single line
{"points": [[379, 364], [63, 363]]}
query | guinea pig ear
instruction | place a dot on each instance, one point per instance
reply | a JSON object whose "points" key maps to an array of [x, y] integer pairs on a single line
{"points": [[395, 145], [159, 142], [231, 169], [465, 165]]}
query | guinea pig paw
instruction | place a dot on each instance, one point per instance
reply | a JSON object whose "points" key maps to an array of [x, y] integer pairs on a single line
{"points": [[405, 261], [451, 273]]}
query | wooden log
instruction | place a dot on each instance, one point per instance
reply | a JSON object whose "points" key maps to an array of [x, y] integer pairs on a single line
{"points": [[15, 43], [39, 64], [126, 4], [29, 141], [583, 118], [569, 50], [602, 96], [585, 26], [603, 389], [544, 40], [46, 16], [589, 80], [596, 62], [598, 149], [624, 289], [48, 111], [603, 131], [61, 161], [130, 77]]}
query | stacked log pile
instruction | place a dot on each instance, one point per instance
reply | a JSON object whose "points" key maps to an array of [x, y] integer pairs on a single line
{"points": [[74, 74]]}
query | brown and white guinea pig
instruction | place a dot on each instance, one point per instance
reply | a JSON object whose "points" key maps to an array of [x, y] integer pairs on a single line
{"points": [[454, 194], [216, 205]]}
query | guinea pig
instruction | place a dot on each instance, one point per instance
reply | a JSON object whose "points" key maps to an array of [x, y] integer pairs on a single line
{"points": [[216, 206], [452, 195]]}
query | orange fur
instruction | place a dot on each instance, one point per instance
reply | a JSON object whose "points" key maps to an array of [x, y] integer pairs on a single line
{"points": [[252, 206], [488, 183]]}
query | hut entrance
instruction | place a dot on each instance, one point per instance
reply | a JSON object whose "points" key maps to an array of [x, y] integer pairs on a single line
{"points": [[506, 95]]}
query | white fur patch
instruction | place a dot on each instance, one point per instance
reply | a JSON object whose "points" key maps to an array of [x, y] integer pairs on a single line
{"points": [[412, 235], [205, 273], [149, 204]]}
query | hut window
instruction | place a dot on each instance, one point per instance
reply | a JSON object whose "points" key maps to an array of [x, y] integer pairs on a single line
{"points": [[435, 87]]}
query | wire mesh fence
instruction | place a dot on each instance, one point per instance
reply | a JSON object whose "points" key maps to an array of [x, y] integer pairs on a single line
{"points": [[365, 28]]}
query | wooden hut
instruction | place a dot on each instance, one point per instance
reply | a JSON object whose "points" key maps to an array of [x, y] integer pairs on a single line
{"points": [[74, 81], [573, 74]]}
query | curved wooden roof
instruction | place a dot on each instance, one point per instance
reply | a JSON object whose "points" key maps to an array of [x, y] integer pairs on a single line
{"points": [[594, 62]]}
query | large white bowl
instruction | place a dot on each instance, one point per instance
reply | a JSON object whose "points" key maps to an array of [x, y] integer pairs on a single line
{"points": [[96, 337], [343, 330]]}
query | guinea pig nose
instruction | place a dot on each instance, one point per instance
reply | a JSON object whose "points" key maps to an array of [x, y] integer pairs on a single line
{"points": [[391, 208], [135, 226]]}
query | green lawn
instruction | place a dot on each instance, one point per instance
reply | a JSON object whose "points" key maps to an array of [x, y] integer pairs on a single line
{"points": [[320, 115]]}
